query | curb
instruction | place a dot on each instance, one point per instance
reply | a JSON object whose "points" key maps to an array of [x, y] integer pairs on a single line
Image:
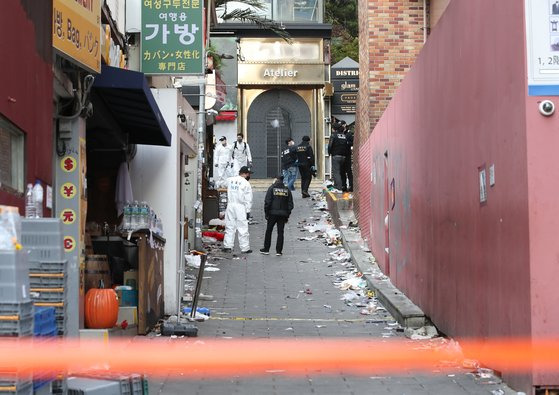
{"points": [[399, 305]]}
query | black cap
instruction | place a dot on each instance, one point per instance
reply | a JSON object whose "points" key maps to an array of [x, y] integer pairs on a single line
{"points": [[244, 170], [306, 138], [279, 177], [222, 138], [288, 140]]}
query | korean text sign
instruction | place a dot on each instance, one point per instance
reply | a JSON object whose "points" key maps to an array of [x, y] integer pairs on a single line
{"points": [[172, 37], [76, 31]]}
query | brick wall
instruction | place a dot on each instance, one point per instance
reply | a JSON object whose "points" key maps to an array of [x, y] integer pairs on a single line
{"points": [[391, 34]]}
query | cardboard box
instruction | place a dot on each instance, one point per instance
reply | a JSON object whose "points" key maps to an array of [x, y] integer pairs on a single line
{"points": [[131, 279], [128, 314]]}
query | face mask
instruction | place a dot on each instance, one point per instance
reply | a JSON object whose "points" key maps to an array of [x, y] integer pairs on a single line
{"points": [[247, 177]]}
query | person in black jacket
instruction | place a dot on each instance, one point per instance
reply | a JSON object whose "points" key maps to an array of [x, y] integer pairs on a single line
{"points": [[338, 150], [277, 209], [305, 156], [289, 163], [347, 179]]}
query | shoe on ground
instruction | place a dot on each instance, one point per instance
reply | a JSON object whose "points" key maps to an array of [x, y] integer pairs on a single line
{"points": [[306, 195], [265, 252], [226, 249], [247, 252], [279, 254]]}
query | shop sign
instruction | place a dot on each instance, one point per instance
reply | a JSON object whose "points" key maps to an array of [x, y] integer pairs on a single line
{"points": [[281, 74], [346, 85], [345, 74], [76, 31], [542, 41], [344, 98], [172, 37], [343, 109]]}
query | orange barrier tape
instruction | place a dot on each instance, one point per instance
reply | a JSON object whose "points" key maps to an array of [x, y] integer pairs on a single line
{"points": [[224, 358]]}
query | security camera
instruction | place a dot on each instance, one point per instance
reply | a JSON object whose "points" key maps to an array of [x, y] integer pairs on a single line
{"points": [[327, 120], [547, 108], [182, 117]]}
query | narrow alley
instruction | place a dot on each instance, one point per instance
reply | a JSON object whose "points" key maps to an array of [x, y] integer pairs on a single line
{"points": [[295, 296]]}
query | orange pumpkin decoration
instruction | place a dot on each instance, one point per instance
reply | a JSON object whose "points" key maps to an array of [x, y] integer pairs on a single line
{"points": [[101, 308]]}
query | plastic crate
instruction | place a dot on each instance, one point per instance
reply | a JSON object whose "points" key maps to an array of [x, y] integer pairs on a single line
{"points": [[136, 384], [48, 266], [16, 326], [45, 322], [42, 387], [17, 308], [88, 386], [39, 254], [14, 277], [48, 294], [41, 225], [41, 280], [60, 386], [16, 387]]}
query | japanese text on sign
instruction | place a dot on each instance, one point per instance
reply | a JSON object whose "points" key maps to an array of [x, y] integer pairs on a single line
{"points": [[172, 37], [76, 31], [542, 41]]}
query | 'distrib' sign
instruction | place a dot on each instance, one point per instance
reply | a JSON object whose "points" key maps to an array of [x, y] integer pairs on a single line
{"points": [[172, 37], [542, 42], [76, 31]]}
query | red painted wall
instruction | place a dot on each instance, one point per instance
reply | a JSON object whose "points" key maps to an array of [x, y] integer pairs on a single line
{"points": [[26, 76], [462, 106]]}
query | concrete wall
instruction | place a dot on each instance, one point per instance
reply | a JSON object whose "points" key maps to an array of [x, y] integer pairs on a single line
{"points": [[543, 173], [156, 174], [478, 270], [26, 86]]}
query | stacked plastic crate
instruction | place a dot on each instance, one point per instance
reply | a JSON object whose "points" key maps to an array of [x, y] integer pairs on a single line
{"points": [[47, 267], [16, 315], [44, 328]]}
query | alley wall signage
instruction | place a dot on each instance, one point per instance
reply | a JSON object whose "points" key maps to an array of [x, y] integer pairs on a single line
{"points": [[346, 85], [76, 31], [542, 41], [172, 37], [281, 74]]}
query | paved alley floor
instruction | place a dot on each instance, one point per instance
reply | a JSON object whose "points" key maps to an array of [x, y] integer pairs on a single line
{"points": [[294, 296]]}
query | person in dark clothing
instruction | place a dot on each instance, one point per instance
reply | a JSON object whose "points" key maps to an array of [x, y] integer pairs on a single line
{"points": [[289, 164], [347, 175], [305, 156], [277, 209], [338, 150]]}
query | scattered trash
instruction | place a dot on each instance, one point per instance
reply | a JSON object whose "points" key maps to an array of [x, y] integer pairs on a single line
{"points": [[498, 392], [327, 306], [423, 333], [470, 364], [350, 296], [353, 283], [321, 326], [289, 329], [308, 291]]}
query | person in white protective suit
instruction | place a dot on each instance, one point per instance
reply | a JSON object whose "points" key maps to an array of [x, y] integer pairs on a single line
{"points": [[222, 158], [239, 203], [240, 154]]}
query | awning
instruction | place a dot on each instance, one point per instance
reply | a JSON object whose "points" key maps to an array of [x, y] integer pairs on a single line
{"points": [[129, 99], [226, 116]]}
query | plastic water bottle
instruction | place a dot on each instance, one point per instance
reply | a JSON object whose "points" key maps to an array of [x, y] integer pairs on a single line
{"points": [[38, 194], [144, 215], [30, 209], [126, 220], [135, 216]]}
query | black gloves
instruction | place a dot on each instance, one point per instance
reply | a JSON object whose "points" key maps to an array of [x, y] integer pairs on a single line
{"points": [[248, 216]]}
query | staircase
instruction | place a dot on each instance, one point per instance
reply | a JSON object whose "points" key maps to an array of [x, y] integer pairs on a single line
{"points": [[263, 184]]}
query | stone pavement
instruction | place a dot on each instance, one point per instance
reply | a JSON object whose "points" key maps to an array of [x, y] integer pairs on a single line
{"points": [[293, 296]]}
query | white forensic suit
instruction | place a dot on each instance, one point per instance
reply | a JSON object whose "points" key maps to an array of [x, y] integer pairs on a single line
{"points": [[222, 157], [240, 156], [239, 203]]}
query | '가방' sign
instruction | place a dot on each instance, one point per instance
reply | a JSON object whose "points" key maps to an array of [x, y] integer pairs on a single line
{"points": [[542, 41], [172, 37], [76, 31]]}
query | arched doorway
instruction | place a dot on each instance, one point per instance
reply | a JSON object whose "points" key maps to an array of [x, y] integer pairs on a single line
{"points": [[274, 116]]}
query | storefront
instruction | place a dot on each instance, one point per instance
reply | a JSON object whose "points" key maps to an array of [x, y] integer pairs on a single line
{"points": [[281, 95], [126, 117]]}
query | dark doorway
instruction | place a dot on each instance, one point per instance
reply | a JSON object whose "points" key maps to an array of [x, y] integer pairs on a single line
{"points": [[274, 116]]}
